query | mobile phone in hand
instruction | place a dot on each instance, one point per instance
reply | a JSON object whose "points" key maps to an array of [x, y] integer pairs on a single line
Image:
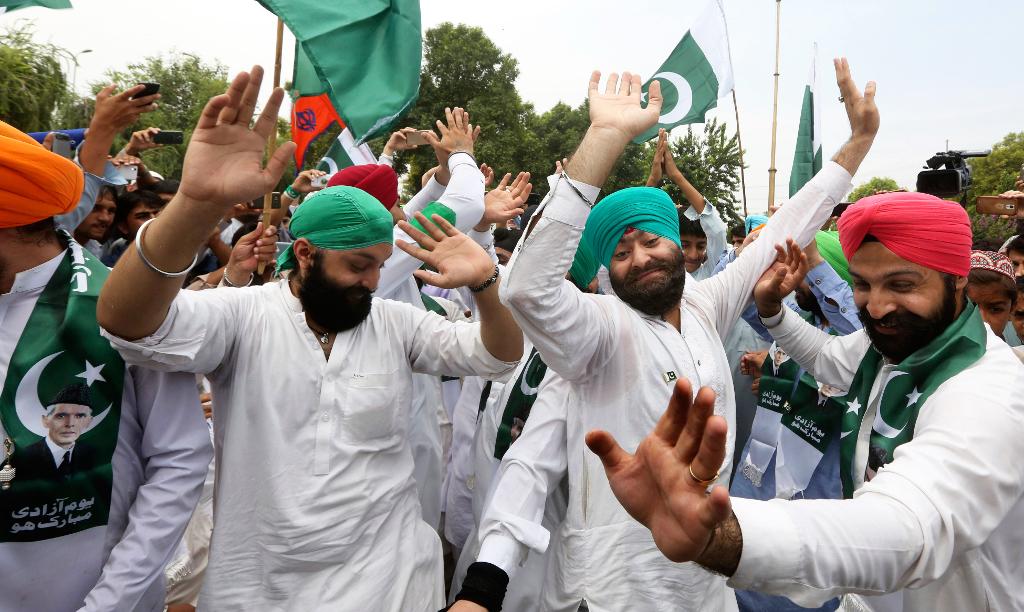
{"points": [[169, 137], [128, 172], [320, 182], [416, 138], [63, 146], [150, 89]]}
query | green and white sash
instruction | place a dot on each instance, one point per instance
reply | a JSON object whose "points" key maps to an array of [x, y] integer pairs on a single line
{"points": [[59, 347], [907, 388], [520, 402]]}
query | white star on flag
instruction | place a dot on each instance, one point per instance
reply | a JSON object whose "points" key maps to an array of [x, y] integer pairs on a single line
{"points": [[92, 373], [643, 97], [912, 397], [854, 406]]}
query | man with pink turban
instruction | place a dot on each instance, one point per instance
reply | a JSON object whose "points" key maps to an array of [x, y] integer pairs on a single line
{"points": [[929, 430]]}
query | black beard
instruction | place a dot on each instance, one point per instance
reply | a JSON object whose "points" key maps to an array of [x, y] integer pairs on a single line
{"points": [[658, 297], [333, 307], [914, 332]]}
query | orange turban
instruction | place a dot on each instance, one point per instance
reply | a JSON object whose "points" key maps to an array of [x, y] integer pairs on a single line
{"points": [[35, 184]]}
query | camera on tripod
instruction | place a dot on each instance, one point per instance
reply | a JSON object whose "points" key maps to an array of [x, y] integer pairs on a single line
{"points": [[949, 175]]}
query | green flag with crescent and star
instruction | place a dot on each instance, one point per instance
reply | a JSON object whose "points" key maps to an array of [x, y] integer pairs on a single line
{"points": [[61, 408], [696, 74], [807, 157]]}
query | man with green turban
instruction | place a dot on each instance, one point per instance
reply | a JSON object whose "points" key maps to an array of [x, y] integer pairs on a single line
{"points": [[621, 355], [316, 506]]}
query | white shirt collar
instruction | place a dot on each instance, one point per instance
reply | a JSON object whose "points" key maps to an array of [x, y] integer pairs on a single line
{"points": [[37, 277], [57, 451]]}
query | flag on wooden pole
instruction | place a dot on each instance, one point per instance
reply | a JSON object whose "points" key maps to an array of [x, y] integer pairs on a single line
{"points": [[807, 157]]}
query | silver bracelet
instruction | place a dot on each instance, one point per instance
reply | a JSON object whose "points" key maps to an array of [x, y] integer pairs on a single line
{"points": [[227, 280], [576, 189], [149, 264]]}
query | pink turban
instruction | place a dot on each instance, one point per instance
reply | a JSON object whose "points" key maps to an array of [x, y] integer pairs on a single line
{"points": [[378, 180], [918, 227]]}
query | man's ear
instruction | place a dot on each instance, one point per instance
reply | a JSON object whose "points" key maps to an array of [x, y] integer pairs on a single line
{"points": [[303, 251]]}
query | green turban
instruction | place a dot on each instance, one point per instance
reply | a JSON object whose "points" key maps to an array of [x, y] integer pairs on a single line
{"points": [[584, 267], [339, 219], [642, 208], [832, 253], [434, 208]]}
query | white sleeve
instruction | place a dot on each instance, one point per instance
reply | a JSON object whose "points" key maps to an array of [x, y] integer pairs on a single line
{"points": [[573, 331], [531, 468], [714, 230], [431, 192], [176, 453], [831, 360], [914, 520], [725, 296], [464, 195], [199, 331]]}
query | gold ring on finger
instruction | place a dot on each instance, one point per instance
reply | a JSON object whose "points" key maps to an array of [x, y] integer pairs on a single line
{"points": [[704, 482]]}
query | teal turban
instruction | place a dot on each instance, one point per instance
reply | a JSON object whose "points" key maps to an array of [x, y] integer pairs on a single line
{"points": [[584, 267], [339, 219], [754, 221], [642, 208], [831, 251]]}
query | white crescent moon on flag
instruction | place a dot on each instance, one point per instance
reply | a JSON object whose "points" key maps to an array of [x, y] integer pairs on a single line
{"points": [[880, 425], [684, 100], [332, 166], [524, 387], [28, 406]]}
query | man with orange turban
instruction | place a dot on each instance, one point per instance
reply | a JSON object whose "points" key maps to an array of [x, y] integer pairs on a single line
{"points": [[928, 430], [87, 527]]}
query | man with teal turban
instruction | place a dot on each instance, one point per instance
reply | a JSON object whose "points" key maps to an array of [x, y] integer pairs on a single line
{"points": [[315, 504], [621, 355]]}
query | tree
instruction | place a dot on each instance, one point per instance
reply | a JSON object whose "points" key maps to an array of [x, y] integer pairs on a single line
{"points": [[993, 175], [463, 67], [873, 186], [33, 80], [710, 161], [186, 85]]}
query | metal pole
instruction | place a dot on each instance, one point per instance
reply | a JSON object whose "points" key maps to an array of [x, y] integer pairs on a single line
{"points": [[775, 107], [739, 141]]}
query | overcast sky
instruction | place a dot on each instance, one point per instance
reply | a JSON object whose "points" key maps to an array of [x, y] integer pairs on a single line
{"points": [[945, 69]]}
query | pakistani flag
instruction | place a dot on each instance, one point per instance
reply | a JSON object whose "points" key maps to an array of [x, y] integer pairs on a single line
{"points": [[366, 53], [696, 74], [807, 158], [13, 5], [344, 153]]}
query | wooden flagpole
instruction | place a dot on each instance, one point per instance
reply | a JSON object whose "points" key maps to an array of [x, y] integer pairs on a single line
{"points": [[739, 141], [268, 198], [775, 108]]}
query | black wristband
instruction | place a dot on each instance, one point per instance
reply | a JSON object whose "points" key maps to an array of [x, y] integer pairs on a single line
{"points": [[485, 585], [487, 283]]}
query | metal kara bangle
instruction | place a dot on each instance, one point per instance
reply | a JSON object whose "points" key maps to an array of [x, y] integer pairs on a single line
{"points": [[227, 280], [487, 283], [149, 264], [568, 179]]}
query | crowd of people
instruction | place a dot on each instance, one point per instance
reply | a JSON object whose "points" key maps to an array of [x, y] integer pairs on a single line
{"points": [[469, 401]]}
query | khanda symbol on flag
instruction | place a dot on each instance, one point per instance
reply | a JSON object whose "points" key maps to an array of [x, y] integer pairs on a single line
{"points": [[696, 74]]}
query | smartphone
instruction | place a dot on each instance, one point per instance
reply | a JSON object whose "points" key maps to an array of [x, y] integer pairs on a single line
{"points": [[417, 138], [63, 146], [151, 88], [169, 137], [128, 173], [320, 182], [995, 205]]}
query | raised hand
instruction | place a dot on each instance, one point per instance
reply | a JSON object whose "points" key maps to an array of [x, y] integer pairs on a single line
{"points": [[399, 141], [658, 484], [488, 175], [860, 108], [258, 246], [505, 202], [224, 160], [142, 140], [781, 279], [457, 134], [303, 182], [618, 109], [118, 111], [459, 261], [658, 163]]}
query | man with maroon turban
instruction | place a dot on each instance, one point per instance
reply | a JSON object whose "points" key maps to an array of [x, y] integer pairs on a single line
{"points": [[929, 431]]}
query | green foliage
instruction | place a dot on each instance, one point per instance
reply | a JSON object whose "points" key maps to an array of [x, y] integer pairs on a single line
{"points": [[186, 84], [873, 186], [711, 162], [33, 83]]}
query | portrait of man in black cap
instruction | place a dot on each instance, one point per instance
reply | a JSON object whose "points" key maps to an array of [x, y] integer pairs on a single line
{"points": [[60, 454]]}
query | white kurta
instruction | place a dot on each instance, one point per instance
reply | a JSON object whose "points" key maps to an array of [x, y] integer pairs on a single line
{"points": [[620, 364], [315, 506], [158, 466], [943, 521]]}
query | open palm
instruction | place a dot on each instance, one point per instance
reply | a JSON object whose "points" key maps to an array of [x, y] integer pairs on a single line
{"points": [[618, 108], [655, 484], [783, 277], [459, 261], [224, 161]]}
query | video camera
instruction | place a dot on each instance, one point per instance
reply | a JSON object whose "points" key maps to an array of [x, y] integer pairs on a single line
{"points": [[949, 175]]}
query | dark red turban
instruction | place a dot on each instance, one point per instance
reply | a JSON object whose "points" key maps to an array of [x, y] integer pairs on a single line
{"points": [[378, 180], [918, 227]]}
